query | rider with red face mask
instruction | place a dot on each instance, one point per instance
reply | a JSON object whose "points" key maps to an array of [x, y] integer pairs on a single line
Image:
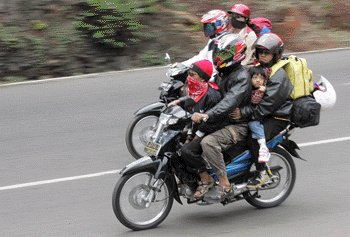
{"points": [[204, 93], [206, 96]]}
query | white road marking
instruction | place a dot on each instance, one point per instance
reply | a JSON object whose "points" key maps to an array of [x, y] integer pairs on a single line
{"points": [[324, 141], [117, 171], [58, 180]]}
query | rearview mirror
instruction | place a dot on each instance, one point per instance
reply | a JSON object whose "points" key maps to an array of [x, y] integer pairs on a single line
{"points": [[167, 59]]}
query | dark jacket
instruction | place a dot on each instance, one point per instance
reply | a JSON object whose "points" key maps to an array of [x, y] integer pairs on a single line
{"points": [[236, 88], [276, 101], [208, 101]]}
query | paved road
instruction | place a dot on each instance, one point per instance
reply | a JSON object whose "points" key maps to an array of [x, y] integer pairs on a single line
{"points": [[74, 127]]}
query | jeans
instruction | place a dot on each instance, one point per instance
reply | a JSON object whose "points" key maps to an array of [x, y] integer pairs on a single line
{"points": [[257, 129], [272, 127]]}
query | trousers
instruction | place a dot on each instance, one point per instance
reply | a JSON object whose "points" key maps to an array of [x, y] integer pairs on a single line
{"points": [[192, 154], [214, 144], [272, 127], [257, 129]]}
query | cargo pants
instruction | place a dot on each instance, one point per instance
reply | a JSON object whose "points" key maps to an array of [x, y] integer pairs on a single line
{"points": [[214, 144]]}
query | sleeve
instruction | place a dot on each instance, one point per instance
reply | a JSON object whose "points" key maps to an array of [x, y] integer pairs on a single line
{"points": [[208, 127], [278, 89], [203, 54], [257, 96], [250, 40], [238, 93]]}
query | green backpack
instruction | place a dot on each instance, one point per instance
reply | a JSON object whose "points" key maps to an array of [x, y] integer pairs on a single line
{"points": [[298, 73]]}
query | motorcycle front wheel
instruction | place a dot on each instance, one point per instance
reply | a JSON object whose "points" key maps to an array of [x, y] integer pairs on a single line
{"points": [[139, 132], [275, 191], [140, 201]]}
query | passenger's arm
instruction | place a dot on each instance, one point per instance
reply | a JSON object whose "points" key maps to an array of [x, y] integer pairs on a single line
{"points": [[234, 97]]}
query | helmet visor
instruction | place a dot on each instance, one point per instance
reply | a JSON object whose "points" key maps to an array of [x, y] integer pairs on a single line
{"points": [[223, 55], [209, 29]]}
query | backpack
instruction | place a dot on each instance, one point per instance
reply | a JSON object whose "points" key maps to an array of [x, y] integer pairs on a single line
{"points": [[263, 25], [299, 75], [305, 111]]}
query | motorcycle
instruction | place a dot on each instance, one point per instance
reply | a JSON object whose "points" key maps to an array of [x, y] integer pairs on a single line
{"points": [[144, 195], [143, 125]]}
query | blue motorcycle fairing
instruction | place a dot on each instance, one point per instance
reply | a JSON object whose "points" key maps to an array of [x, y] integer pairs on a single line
{"points": [[151, 108], [238, 166]]}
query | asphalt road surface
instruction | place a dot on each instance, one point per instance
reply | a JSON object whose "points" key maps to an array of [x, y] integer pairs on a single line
{"points": [[62, 143]]}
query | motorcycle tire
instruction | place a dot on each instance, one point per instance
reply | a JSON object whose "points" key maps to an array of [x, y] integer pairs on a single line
{"points": [[130, 204], [138, 133], [274, 193]]}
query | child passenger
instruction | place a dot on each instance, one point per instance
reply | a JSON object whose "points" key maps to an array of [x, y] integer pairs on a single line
{"points": [[259, 79]]}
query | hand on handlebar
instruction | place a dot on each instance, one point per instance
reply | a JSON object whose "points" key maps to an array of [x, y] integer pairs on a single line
{"points": [[197, 117], [175, 102]]}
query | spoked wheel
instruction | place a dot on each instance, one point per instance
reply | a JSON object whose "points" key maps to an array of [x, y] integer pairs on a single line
{"points": [[275, 191], [141, 202], [139, 132]]}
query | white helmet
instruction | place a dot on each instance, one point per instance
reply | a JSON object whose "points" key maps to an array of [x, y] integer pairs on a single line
{"points": [[325, 95], [215, 22]]}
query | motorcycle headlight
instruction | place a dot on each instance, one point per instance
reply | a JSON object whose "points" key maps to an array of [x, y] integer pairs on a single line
{"points": [[167, 119], [172, 120], [163, 118]]}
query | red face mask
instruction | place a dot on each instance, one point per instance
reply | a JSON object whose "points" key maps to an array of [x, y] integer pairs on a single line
{"points": [[196, 89]]}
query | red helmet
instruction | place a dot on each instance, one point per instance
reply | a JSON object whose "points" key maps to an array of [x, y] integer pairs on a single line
{"points": [[240, 9], [215, 22]]}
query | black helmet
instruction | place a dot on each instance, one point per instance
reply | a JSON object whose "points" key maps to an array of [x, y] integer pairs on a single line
{"points": [[272, 42]]}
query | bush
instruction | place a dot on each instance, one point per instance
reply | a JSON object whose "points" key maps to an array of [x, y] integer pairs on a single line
{"points": [[113, 23]]}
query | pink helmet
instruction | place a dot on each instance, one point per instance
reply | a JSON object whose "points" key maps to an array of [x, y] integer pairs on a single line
{"points": [[240, 9], [215, 23]]}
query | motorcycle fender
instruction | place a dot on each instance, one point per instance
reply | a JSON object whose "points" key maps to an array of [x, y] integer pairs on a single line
{"points": [[152, 108], [142, 164], [291, 147], [176, 190], [147, 164]]}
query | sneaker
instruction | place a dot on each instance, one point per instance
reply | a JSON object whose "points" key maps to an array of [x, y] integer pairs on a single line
{"points": [[261, 178], [264, 155]]}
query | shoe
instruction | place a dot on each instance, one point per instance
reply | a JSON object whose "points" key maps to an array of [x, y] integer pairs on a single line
{"points": [[219, 193], [264, 155], [203, 188], [261, 178]]}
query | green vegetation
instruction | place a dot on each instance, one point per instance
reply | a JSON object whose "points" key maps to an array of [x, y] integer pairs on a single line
{"points": [[45, 39], [152, 58], [114, 23]]}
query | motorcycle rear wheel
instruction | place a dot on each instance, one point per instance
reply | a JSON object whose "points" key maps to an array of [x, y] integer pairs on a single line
{"points": [[130, 203], [139, 132], [276, 192]]}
